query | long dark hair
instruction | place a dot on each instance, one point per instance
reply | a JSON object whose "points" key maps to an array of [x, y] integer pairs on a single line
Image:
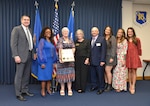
{"points": [[42, 35], [133, 37], [111, 34], [123, 36]]}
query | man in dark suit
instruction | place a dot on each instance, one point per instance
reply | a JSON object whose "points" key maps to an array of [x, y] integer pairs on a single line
{"points": [[22, 48], [97, 60]]}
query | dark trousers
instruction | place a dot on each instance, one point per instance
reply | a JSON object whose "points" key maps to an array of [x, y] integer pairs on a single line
{"points": [[97, 76], [22, 76], [81, 72]]}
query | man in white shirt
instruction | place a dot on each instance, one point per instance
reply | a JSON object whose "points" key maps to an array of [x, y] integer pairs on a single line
{"points": [[22, 48]]}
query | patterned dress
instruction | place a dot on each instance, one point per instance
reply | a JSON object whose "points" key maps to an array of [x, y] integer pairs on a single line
{"points": [[120, 71], [133, 53], [65, 71]]}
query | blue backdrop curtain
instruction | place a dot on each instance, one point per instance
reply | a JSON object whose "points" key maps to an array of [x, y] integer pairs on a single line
{"points": [[88, 13]]}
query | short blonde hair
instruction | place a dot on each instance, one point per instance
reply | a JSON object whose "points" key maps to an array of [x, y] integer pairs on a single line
{"points": [[80, 30]]}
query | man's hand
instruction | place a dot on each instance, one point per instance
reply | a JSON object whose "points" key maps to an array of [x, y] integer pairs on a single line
{"points": [[102, 63], [17, 59]]}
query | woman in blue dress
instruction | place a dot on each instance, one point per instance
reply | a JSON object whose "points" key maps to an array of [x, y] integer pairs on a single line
{"points": [[46, 59]]}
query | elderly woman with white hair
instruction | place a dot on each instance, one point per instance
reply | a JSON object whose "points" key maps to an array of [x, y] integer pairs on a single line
{"points": [[65, 70]]}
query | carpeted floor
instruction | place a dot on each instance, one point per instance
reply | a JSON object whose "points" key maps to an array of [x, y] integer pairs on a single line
{"points": [[141, 98]]}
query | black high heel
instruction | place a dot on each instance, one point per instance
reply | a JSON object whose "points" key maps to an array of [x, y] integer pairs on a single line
{"points": [[49, 92]]}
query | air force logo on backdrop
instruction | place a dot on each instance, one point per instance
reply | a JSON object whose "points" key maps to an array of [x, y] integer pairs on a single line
{"points": [[141, 18]]}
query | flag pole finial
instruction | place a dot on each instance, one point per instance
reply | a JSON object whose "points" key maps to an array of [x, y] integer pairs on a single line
{"points": [[56, 5], [73, 4], [72, 8], [36, 4], [56, 1]]}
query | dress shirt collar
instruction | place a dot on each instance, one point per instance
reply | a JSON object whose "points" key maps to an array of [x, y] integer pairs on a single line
{"points": [[95, 37], [24, 27]]}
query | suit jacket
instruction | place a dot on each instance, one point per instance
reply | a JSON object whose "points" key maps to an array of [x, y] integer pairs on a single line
{"points": [[19, 43], [111, 51], [98, 51]]}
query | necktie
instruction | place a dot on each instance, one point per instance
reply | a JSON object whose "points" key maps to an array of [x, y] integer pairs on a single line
{"points": [[29, 40], [93, 41]]}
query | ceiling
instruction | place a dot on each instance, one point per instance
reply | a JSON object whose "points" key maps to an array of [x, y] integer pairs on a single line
{"points": [[140, 1]]}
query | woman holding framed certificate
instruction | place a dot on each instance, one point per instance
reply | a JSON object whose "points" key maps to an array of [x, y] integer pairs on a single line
{"points": [[65, 66]]}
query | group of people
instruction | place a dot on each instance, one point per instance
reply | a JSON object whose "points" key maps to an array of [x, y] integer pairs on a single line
{"points": [[105, 58]]}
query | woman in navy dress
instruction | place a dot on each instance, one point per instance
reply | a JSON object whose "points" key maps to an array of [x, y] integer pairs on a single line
{"points": [[46, 59]]}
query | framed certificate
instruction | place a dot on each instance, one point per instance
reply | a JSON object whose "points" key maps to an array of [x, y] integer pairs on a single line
{"points": [[67, 55]]}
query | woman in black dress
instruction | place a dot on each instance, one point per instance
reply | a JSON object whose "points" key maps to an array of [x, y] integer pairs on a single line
{"points": [[82, 54]]}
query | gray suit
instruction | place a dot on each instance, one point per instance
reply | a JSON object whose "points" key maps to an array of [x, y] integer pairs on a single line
{"points": [[20, 47]]}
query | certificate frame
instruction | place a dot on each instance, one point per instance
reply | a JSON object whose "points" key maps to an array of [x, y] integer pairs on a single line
{"points": [[67, 55]]}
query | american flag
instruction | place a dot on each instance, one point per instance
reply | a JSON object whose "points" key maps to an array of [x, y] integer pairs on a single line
{"points": [[56, 23], [55, 29]]}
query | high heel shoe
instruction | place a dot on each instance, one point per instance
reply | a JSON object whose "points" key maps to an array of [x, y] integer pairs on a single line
{"points": [[70, 93], [49, 92], [62, 93], [132, 91], [43, 93]]}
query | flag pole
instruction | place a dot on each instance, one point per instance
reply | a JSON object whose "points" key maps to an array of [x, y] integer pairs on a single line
{"points": [[56, 37], [37, 31]]}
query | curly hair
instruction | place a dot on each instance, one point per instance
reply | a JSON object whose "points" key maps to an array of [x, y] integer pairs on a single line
{"points": [[42, 35]]}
